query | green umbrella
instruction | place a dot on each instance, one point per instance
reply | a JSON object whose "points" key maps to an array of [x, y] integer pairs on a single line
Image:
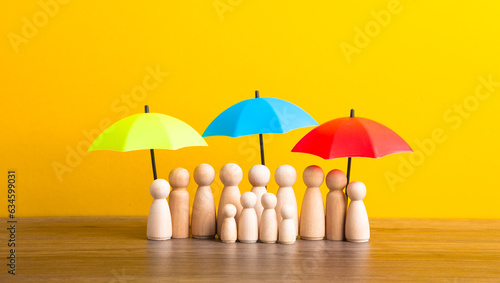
{"points": [[147, 131]]}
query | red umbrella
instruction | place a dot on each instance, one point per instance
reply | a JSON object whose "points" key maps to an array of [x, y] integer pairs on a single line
{"points": [[351, 137]]}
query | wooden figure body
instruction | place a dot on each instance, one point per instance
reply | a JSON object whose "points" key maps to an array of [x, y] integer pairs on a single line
{"points": [[230, 175], [179, 202], [203, 220], [287, 225], [268, 232], [336, 204], [159, 225], [285, 177], [228, 227], [312, 213], [248, 226], [357, 227], [259, 176]]}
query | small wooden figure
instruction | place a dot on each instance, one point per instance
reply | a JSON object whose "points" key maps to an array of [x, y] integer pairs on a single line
{"points": [[287, 225], [312, 213], [179, 202], [248, 226], [159, 225], [357, 227], [230, 175], [268, 232], [228, 227], [285, 177], [335, 205], [203, 220], [259, 176]]}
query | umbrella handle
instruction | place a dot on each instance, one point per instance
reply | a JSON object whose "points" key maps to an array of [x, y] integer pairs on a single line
{"points": [[348, 164], [261, 149], [153, 162], [348, 175], [260, 138]]}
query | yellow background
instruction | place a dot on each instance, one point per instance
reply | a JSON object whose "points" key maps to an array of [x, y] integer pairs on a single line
{"points": [[70, 77]]}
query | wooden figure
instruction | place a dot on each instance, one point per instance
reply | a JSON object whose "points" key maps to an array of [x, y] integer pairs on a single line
{"points": [[159, 225], [335, 205], [268, 232], [259, 176], [228, 227], [230, 175], [203, 220], [287, 226], [312, 213], [248, 226], [179, 202], [285, 177], [357, 227]]}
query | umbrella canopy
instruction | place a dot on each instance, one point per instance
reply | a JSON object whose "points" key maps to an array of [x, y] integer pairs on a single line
{"points": [[351, 137], [259, 115], [147, 131]]}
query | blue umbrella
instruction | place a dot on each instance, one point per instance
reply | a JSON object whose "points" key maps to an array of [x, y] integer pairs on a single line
{"points": [[259, 115]]}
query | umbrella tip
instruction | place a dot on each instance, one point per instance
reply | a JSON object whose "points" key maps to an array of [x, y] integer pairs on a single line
{"points": [[352, 112], [146, 108], [256, 94]]}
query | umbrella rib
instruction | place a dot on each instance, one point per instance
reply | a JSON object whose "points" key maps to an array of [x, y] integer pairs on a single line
{"points": [[333, 137], [373, 149], [234, 134], [274, 110], [124, 146], [170, 141]]}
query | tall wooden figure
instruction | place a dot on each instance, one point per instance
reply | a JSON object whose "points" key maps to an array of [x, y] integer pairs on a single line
{"points": [[159, 222], [230, 175], [259, 176], [248, 226], [335, 205], [179, 202], [203, 220], [312, 213], [268, 230], [285, 177], [357, 227], [228, 231]]}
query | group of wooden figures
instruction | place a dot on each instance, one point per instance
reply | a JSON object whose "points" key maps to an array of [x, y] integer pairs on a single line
{"points": [[258, 215]]}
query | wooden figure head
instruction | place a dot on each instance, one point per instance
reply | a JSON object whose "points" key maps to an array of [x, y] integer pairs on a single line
{"points": [[269, 201], [179, 178], [159, 189], [356, 190], [248, 200], [336, 180], [204, 174], [285, 176], [229, 211], [286, 212], [231, 174], [259, 176], [313, 176]]}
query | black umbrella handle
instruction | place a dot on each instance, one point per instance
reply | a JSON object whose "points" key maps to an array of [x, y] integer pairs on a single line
{"points": [[348, 164], [261, 150], [261, 139], [153, 163], [152, 151], [348, 174]]}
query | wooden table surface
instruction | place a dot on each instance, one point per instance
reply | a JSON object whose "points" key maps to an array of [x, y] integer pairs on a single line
{"points": [[115, 249]]}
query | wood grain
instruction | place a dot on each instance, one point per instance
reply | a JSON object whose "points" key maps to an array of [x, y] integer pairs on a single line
{"points": [[115, 249]]}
